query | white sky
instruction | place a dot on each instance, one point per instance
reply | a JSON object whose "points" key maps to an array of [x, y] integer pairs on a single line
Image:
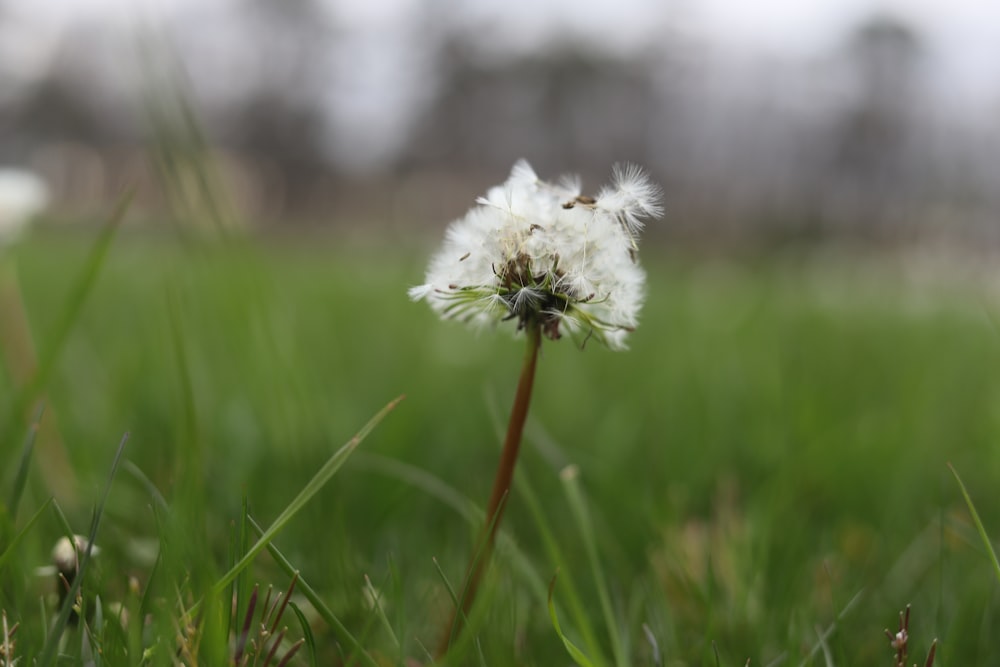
{"points": [[804, 25], [961, 37], [791, 24]]}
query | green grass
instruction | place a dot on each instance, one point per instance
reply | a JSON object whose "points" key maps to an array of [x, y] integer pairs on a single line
{"points": [[768, 461]]}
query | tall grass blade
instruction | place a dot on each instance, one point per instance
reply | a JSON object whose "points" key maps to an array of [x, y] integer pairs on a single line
{"points": [[322, 476], [824, 646], [307, 634], [376, 600], [241, 585], [653, 644], [74, 303], [827, 632], [59, 474], [190, 456], [581, 619], [447, 583], [979, 523], [52, 642], [67, 527], [147, 484], [21, 533], [21, 477], [456, 645], [433, 486], [570, 477], [574, 652]]}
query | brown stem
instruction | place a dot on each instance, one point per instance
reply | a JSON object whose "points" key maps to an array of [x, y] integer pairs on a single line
{"points": [[501, 487]]}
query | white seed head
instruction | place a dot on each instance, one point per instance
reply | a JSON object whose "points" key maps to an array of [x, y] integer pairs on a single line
{"points": [[66, 554], [543, 254]]}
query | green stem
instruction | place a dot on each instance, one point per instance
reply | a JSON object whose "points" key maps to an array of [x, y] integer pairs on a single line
{"points": [[501, 487]]}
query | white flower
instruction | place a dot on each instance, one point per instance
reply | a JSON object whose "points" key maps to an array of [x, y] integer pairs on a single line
{"points": [[546, 255], [22, 195]]}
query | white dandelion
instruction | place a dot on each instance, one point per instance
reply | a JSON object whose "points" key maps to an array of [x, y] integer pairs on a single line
{"points": [[554, 261], [544, 255]]}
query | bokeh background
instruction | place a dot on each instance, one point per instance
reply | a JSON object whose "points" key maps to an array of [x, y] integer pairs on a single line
{"points": [[766, 468], [878, 120]]}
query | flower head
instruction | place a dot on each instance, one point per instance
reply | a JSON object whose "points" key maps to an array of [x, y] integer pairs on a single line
{"points": [[546, 255]]}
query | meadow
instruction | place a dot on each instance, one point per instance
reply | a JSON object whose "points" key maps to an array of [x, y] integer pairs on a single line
{"points": [[763, 476]]}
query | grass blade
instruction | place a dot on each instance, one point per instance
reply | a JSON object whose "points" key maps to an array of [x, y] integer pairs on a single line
{"points": [[63, 521], [74, 303], [447, 583], [241, 585], [423, 480], [581, 619], [376, 600], [322, 476], [21, 533], [314, 599], [979, 523], [307, 634], [59, 475], [570, 477], [52, 642], [21, 477], [147, 484], [574, 652]]}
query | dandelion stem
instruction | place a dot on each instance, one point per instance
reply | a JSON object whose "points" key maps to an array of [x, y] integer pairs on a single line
{"points": [[501, 486]]}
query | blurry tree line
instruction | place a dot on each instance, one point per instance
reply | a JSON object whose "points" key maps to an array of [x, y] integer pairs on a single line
{"points": [[307, 119]]}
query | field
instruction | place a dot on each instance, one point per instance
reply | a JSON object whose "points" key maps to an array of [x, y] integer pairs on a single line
{"points": [[764, 472]]}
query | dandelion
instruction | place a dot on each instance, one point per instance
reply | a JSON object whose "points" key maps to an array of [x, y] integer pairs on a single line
{"points": [[544, 255], [554, 262]]}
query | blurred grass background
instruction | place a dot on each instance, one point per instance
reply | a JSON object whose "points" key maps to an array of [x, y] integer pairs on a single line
{"points": [[773, 445], [765, 469]]}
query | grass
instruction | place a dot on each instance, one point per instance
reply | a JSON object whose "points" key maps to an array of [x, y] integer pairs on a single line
{"points": [[763, 476]]}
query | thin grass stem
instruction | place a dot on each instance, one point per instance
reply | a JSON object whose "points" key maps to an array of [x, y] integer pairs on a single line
{"points": [[979, 523], [578, 506]]}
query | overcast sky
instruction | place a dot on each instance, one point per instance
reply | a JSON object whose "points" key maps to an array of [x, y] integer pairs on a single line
{"points": [[963, 36], [960, 39]]}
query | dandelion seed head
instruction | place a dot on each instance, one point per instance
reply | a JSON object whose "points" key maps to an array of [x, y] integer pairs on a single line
{"points": [[631, 197], [542, 254]]}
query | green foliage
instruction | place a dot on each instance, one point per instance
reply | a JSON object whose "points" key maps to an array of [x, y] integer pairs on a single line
{"points": [[765, 470]]}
